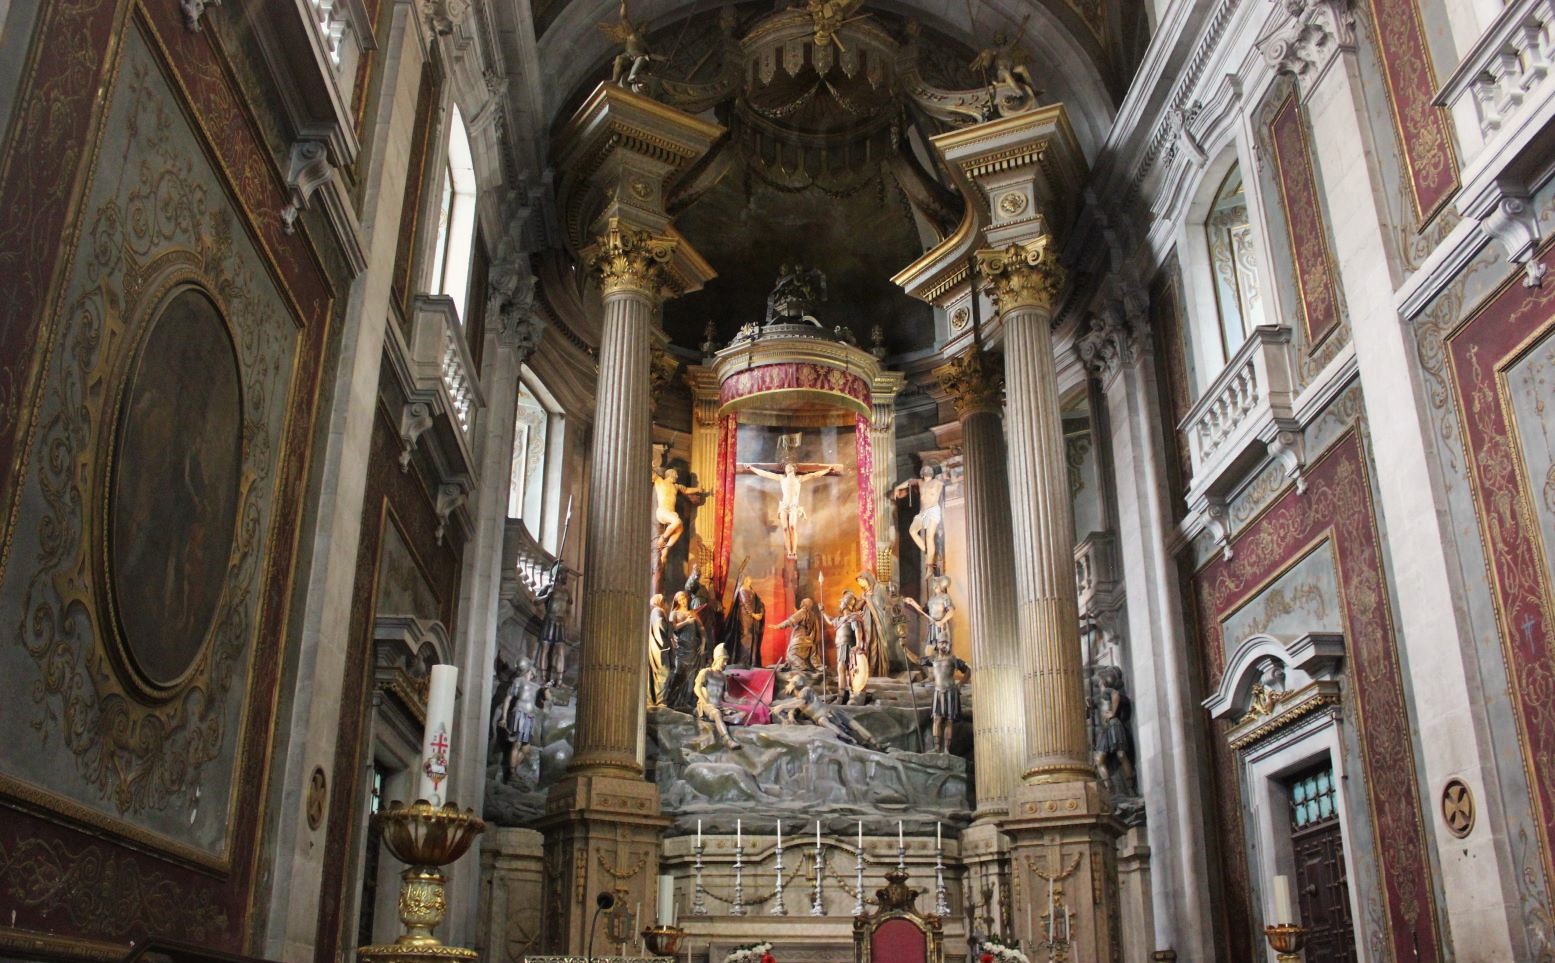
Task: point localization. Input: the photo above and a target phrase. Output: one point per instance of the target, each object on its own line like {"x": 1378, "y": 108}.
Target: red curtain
{"x": 723, "y": 527}
{"x": 864, "y": 451}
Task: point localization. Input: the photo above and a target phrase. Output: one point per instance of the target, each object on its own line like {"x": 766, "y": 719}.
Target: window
{"x": 1233, "y": 265}
{"x": 455, "y": 217}
{"x": 526, "y": 490}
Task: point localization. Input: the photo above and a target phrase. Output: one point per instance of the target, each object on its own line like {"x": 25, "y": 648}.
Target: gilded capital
{"x": 1022, "y": 275}
{"x": 630, "y": 260}
{"x": 974, "y": 380}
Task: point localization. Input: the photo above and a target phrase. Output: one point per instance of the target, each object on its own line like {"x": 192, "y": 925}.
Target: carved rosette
{"x": 624, "y": 259}
{"x": 1022, "y": 275}
{"x": 975, "y": 382}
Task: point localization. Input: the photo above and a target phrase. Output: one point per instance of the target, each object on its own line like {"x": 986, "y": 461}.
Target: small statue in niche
{"x": 666, "y": 489}
{"x": 1268, "y": 691}
{"x": 795, "y": 295}
{"x": 943, "y": 666}
{"x": 554, "y": 600}
{"x": 661, "y": 649}
{"x": 926, "y": 525}
{"x": 805, "y": 626}
{"x": 852, "y": 660}
{"x": 515, "y": 722}
{"x": 709, "y": 689}
{"x": 1013, "y": 90}
{"x": 627, "y": 67}
{"x": 748, "y": 619}
{"x": 1112, "y": 747}
{"x": 812, "y": 709}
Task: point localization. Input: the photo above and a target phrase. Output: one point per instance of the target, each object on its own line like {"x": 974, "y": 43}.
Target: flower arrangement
{"x": 995, "y": 950}
{"x": 751, "y": 953}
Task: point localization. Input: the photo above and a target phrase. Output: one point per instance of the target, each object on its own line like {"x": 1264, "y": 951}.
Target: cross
{"x": 441, "y": 742}
{"x": 1528, "y": 624}
{"x": 802, "y": 467}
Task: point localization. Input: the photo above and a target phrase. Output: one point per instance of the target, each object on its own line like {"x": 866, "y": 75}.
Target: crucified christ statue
{"x": 665, "y": 489}
{"x": 790, "y": 512}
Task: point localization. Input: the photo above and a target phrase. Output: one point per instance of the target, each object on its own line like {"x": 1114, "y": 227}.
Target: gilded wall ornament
{"x": 960, "y": 317}
{"x": 1023, "y": 275}
{"x": 1458, "y": 807}
{"x": 630, "y": 260}
{"x": 1011, "y": 204}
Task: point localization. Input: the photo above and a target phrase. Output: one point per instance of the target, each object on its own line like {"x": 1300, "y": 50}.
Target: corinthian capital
{"x": 1022, "y": 275}
{"x": 974, "y": 380}
{"x": 1318, "y": 30}
{"x": 630, "y": 260}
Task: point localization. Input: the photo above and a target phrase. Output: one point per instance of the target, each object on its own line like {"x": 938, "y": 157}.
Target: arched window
{"x": 455, "y": 217}
{"x": 1233, "y": 264}
{"x": 527, "y": 490}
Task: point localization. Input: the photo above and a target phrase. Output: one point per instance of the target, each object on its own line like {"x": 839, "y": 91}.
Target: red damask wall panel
{"x": 1338, "y": 508}
{"x": 1491, "y": 353}
{"x": 1424, "y": 131}
{"x": 1315, "y": 280}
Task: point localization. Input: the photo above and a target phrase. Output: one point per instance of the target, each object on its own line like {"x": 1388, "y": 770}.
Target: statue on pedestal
{"x": 1112, "y": 747}
{"x": 709, "y": 689}
{"x": 634, "y": 57}
{"x": 943, "y": 666}
{"x": 805, "y": 623}
{"x": 796, "y": 294}
{"x": 1014, "y": 92}
{"x": 748, "y": 618}
{"x": 661, "y": 649}
{"x": 554, "y": 600}
{"x": 515, "y": 722}
{"x": 927, "y": 524}
{"x": 811, "y": 709}
{"x": 666, "y": 489}
{"x": 790, "y": 512}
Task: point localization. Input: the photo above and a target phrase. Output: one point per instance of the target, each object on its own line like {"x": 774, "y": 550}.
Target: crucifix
{"x": 792, "y": 477}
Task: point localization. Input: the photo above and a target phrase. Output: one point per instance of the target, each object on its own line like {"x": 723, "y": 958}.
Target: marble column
{"x": 1063, "y": 836}
{"x": 974, "y": 381}
{"x": 1025, "y": 278}
{"x": 629, "y": 266}
{"x": 602, "y": 823}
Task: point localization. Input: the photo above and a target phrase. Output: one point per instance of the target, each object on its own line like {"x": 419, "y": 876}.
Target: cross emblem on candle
{"x": 440, "y": 743}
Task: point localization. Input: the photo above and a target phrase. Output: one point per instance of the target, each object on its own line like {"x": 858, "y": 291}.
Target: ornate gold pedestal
{"x": 663, "y": 940}
{"x": 1285, "y": 940}
{"x": 425, "y": 838}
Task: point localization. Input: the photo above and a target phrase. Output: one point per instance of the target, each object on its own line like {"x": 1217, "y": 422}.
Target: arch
{"x": 1315, "y": 654}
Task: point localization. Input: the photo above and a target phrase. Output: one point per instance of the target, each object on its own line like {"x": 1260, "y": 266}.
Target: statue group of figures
{"x": 688, "y": 674}
{"x": 521, "y": 687}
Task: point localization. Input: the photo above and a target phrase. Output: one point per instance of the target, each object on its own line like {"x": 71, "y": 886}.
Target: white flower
{"x": 748, "y": 954}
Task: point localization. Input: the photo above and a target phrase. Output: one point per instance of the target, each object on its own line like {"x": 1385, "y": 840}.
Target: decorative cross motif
{"x": 1458, "y": 808}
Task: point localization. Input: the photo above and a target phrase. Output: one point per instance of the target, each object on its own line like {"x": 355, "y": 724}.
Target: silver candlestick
{"x": 778, "y": 909}
{"x": 698, "y": 894}
{"x": 858, "y": 897}
{"x": 815, "y": 901}
{"x": 737, "y": 908}
{"x": 941, "y": 904}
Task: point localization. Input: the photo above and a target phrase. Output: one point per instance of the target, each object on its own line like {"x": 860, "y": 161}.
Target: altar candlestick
{"x": 436, "y": 741}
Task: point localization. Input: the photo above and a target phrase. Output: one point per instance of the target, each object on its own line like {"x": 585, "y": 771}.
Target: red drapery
{"x": 723, "y": 545}
{"x": 864, "y": 451}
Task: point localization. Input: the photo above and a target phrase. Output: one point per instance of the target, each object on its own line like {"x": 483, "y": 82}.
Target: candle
{"x": 666, "y": 900}
{"x": 1052, "y": 912}
{"x": 1284, "y": 902}
{"x": 861, "y": 835}
{"x": 637, "y": 917}
{"x": 899, "y": 843}
{"x": 736, "y": 832}
{"x": 437, "y": 739}
{"x": 939, "y": 842}
{"x": 817, "y": 834}
{"x": 780, "y": 834}
{"x": 699, "y": 833}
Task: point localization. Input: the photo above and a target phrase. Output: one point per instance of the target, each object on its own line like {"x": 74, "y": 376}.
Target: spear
{"x": 825, "y": 689}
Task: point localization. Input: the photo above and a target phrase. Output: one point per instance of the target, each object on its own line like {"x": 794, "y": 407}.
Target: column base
{"x": 1064, "y": 870}
{"x": 601, "y": 836}
{"x": 985, "y": 850}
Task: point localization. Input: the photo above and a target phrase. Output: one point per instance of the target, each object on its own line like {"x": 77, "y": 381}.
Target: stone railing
{"x": 1231, "y": 426}
{"x": 438, "y": 352}
{"x": 1505, "y": 70}
{"x": 523, "y": 555}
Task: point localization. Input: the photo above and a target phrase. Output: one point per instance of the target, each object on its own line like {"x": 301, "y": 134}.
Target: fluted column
{"x": 1025, "y": 278}
{"x": 975, "y": 385}
{"x": 630, "y": 267}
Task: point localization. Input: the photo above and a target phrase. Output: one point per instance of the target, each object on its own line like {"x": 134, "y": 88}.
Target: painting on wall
{"x": 174, "y": 498}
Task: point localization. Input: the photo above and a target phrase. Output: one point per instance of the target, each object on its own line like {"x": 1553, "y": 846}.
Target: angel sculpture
{"x": 634, "y": 57}
{"x": 1014, "y": 92}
